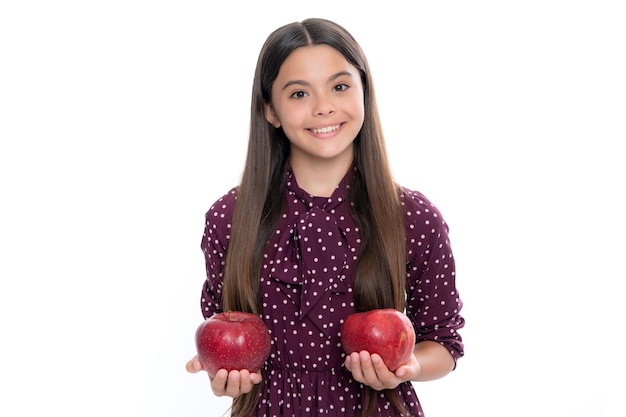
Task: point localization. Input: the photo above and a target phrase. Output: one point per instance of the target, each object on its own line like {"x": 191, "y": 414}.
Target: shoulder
{"x": 421, "y": 214}
{"x": 220, "y": 213}
{"x": 427, "y": 235}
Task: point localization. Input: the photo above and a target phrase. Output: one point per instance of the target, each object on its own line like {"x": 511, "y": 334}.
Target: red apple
{"x": 387, "y": 332}
{"x": 232, "y": 341}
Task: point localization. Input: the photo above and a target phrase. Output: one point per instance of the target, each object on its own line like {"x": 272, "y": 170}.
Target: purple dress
{"x": 306, "y": 289}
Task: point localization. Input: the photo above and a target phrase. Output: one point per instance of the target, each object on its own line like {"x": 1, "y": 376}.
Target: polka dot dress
{"x": 306, "y": 289}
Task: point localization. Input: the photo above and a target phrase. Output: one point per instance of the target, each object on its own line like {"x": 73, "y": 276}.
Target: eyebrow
{"x": 331, "y": 78}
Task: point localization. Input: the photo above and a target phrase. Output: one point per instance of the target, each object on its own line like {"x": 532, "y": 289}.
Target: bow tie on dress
{"x": 323, "y": 254}
{"x": 313, "y": 266}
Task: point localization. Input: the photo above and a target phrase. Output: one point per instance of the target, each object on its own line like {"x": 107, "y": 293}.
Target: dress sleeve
{"x": 433, "y": 302}
{"x": 214, "y": 245}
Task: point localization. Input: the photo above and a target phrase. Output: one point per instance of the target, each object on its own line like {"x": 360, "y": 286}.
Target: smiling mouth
{"x": 326, "y": 129}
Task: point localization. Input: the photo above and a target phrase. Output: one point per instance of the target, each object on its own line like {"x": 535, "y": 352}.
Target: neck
{"x": 320, "y": 179}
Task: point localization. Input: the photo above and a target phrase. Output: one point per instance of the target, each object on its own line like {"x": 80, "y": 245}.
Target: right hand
{"x": 231, "y": 384}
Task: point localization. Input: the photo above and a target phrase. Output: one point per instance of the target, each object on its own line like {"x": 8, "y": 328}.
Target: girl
{"x": 317, "y": 230}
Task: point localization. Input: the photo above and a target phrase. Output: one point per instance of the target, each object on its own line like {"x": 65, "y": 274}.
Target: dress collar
{"x": 325, "y": 203}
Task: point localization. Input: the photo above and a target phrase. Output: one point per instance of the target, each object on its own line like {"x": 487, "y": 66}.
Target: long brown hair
{"x": 380, "y": 274}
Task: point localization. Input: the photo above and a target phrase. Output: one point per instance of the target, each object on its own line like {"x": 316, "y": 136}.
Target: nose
{"x": 324, "y": 106}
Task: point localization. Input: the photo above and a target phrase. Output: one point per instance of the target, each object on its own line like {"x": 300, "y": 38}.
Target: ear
{"x": 270, "y": 115}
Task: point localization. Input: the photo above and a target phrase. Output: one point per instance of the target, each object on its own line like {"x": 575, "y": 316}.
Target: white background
{"x": 122, "y": 121}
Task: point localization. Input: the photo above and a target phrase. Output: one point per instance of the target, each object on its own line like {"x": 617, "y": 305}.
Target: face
{"x": 317, "y": 99}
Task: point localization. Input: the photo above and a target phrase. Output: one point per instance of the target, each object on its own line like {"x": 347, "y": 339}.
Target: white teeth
{"x": 325, "y": 129}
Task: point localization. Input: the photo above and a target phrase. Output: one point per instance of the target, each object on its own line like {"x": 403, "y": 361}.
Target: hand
{"x": 371, "y": 370}
{"x": 231, "y": 384}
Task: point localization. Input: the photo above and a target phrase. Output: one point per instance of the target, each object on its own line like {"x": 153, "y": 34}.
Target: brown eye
{"x": 298, "y": 94}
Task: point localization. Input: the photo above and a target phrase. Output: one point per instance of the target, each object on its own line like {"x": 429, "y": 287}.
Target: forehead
{"x": 314, "y": 61}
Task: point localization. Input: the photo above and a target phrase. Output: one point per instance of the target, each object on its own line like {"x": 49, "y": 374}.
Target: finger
{"x": 382, "y": 372}
{"x": 245, "y": 384}
{"x": 255, "y": 378}
{"x": 402, "y": 372}
{"x": 348, "y": 362}
{"x": 218, "y": 384}
{"x": 409, "y": 371}
{"x": 367, "y": 368}
{"x": 353, "y": 363}
{"x": 233, "y": 388}
{"x": 193, "y": 365}
{"x": 385, "y": 377}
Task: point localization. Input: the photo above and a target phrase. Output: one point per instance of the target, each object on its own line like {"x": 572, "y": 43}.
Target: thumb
{"x": 193, "y": 365}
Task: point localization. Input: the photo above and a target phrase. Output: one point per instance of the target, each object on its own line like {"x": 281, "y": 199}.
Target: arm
{"x": 433, "y": 304}
{"x": 434, "y": 362}
{"x": 214, "y": 245}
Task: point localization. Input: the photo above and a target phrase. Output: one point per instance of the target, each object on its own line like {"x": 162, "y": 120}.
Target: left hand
{"x": 371, "y": 370}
